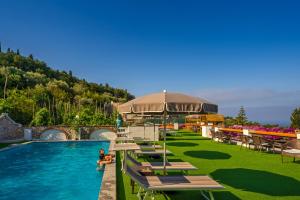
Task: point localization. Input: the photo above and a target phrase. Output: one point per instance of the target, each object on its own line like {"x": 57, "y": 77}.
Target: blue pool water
{"x": 51, "y": 170}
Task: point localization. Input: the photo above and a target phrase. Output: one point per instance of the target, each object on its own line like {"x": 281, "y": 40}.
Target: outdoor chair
{"x": 153, "y": 184}
{"x": 279, "y": 144}
{"x": 256, "y": 142}
{"x": 266, "y": 144}
{"x": 224, "y": 137}
{"x": 235, "y": 138}
{"x": 213, "y": 134}
{"x": 245, "y": 140}
{"x": 291, "y": 149}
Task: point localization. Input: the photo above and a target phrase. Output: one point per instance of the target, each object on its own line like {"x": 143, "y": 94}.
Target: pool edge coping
{"x": 108, "y": 190}
{"x": 11, "y": 146}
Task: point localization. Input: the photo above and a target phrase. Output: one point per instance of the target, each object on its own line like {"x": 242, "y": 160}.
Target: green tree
{"x": 295, "y": 118}
{"x": 4, "y": 72}
{"x": 69, "y": 118}
{"x": 99, "y": 119}
{"x": 229, "y": 121}
{"x": 23, "y": 106}
{"x": 41, "y": 118}
{"x": 241, "y": 118}
{"x": 84, "y": 117}
{"x": 5, "y": 106}
{"x": 34, "y": 78}
{"x": 28, "y": 85}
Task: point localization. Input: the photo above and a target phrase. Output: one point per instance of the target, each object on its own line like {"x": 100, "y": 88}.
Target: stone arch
{"x": 110, "y": 128}
{"x": 54, "y": 134}
{"x": 103, "y": 134}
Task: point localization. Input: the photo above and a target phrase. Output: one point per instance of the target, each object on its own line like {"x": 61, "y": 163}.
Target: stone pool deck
{"x": 108, "y": 189}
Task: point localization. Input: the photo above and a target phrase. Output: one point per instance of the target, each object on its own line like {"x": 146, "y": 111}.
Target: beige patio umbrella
{"x": 166, "y": 103}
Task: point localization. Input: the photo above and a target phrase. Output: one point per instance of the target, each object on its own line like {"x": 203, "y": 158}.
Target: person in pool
{"x": 104, "y": 159}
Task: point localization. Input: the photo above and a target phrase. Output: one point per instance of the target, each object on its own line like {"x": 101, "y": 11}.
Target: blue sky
{"x": 231, "y": 52}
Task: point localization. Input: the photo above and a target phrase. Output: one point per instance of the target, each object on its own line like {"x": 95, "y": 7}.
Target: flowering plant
{"x": 262, "y": 128}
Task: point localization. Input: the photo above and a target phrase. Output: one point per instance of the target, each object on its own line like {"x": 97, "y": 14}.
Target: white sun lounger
{"x": 152, "y": 184}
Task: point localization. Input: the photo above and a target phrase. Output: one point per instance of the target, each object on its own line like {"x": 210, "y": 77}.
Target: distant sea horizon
{"x": 265, "y": 115}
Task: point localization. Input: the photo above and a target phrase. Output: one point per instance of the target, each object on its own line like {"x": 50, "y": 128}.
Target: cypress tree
{"x": 242, "y": 117}
{"x": 295, "y": 118}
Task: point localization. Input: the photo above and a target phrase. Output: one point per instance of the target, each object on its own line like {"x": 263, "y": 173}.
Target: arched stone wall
{"x": 53, "y": 135}
{"x": 102, "y": 134}
{"x": 70, "y": 132}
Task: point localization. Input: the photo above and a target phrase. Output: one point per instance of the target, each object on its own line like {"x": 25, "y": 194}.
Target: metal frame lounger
{"x": 124, "y": 139}
{"x": 124, "y": 147}
{"x": 155, "y": 166}
{"x": 291, "y": 149}
{"x": 156, "y": 146}
{"x": 153, "y": 184}
{"x": 152, "y": 152}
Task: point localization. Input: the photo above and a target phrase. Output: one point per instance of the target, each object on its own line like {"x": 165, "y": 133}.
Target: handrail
{"x": 291, "y": 135}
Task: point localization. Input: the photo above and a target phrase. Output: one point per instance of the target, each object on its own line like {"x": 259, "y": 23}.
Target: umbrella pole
{"x": 165, "y": 133}
{"x": 154, "y": 135}
{"x": 144, "y": 130}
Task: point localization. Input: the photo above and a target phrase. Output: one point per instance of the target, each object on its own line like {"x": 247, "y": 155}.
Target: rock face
{"x": 9, "y": 129}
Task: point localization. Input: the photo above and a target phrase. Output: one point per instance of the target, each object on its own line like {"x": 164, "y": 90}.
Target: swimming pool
{"x": 51, "y": 170}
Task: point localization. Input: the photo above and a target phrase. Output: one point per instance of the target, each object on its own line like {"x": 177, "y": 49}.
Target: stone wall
{"x": 70, "y": 132}
{"x": 37, "y": 131}
{"x": 10, "y": 130}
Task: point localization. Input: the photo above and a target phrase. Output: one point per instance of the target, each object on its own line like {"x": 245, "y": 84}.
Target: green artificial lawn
{"x": 2, "y": 145}
{"x": 246, "y": 174}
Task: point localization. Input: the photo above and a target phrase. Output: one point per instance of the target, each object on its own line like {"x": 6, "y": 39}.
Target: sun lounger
{"x": 152, "y": 184}
{"x": 151, "y": 152}
{"x": 183, "y": 166}
{"x": 141, "y": 140}
{"x": 157, "y": 146}
{"x": 291, "y": 149}
{"x": 124, "y": 139}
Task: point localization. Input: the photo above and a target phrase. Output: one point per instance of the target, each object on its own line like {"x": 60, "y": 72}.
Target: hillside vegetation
{"x": 35, "y": 94}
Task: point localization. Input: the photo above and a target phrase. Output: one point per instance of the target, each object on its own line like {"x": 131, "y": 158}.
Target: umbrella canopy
{"x": 169, "y": 102}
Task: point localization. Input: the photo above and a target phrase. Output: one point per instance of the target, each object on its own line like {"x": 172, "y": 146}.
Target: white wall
{"x": 144, "y": 132}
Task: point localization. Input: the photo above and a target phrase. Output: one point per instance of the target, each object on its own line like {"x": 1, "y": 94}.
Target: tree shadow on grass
{"x": 258, "y": 181}
{"x": 210, "y": 155}
{"x": 225, "y": 195}
{"x": 182, "y": 144}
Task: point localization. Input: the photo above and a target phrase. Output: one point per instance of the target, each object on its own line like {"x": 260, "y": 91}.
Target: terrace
{"x": 245, "y": 173}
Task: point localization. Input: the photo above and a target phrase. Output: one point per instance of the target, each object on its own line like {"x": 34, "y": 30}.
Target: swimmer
{"x": 104, "y": 159}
